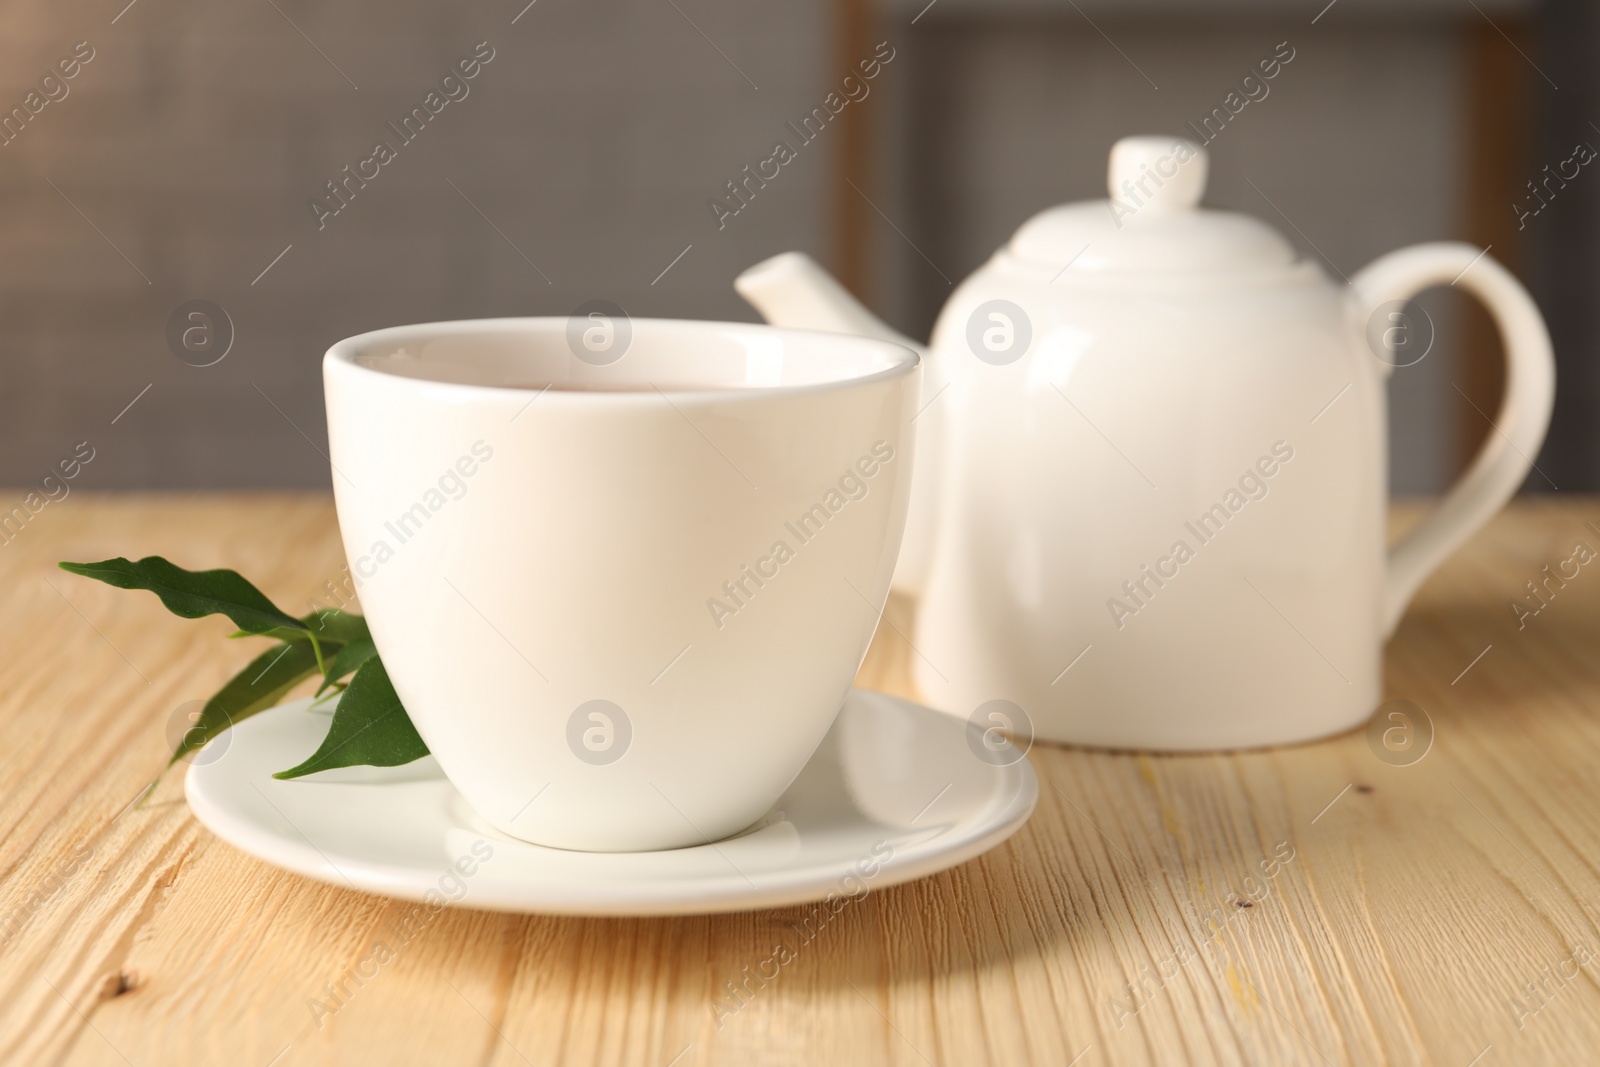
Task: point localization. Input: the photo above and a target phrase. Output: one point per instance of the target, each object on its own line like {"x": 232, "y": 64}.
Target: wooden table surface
{"x": 1439, "y": 912}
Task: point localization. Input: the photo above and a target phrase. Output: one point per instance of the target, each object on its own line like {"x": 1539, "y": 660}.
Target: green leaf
{"x": 369, "y": 727}
{"x": 264, "y": 682}
{"x": 341, "y": 627}
{"x": 193, "y": 594}
{"x": 330, "y": 624}
{"x": 347, "y": 660}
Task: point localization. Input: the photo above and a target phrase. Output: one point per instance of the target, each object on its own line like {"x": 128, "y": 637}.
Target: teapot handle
{"x": 1519, "y": 427}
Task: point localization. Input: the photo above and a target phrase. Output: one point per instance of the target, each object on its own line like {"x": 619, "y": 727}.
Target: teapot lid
{"x": 1152, "y": 223}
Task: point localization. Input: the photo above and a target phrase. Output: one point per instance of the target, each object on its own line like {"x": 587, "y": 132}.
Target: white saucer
{"x": 896, "y": 791}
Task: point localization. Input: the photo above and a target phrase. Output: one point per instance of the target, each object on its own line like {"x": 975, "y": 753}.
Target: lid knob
{"x": 1156, "y": 174}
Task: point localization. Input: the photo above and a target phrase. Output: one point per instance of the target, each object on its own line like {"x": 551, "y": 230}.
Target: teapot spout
{"x": 791, "y": 290}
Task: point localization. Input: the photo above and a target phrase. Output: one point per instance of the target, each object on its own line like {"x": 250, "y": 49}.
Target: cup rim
{"x": 344, "y": 352}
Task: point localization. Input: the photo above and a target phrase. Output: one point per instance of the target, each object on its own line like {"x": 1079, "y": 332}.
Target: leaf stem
{"x": 316, "y": 648}
{"x": 333, "y": 690}
{"x": 151, "y": 788}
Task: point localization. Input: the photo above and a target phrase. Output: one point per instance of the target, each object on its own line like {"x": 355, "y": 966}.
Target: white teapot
{"x": 1150, "y": 494}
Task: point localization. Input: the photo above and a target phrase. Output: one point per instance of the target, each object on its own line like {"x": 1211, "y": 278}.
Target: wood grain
{"x": 1443, "y": 912}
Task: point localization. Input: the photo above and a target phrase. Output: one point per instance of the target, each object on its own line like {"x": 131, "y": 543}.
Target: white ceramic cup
{"x": 621, "y": 573}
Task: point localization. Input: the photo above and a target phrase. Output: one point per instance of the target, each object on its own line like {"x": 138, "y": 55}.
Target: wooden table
{"x": 1443, "y": 912}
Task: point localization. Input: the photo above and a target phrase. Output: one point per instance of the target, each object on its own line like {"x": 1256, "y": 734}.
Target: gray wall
{"x": 195, "y": 137}
{"x": 1565, "y": 237}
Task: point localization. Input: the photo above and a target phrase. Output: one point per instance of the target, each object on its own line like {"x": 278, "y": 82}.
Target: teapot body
{"x": 1161, "y": 526}
{"x": 1149, "y": 507}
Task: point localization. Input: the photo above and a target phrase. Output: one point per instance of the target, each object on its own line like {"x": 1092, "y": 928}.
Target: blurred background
{"x": 179, "y": 162}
